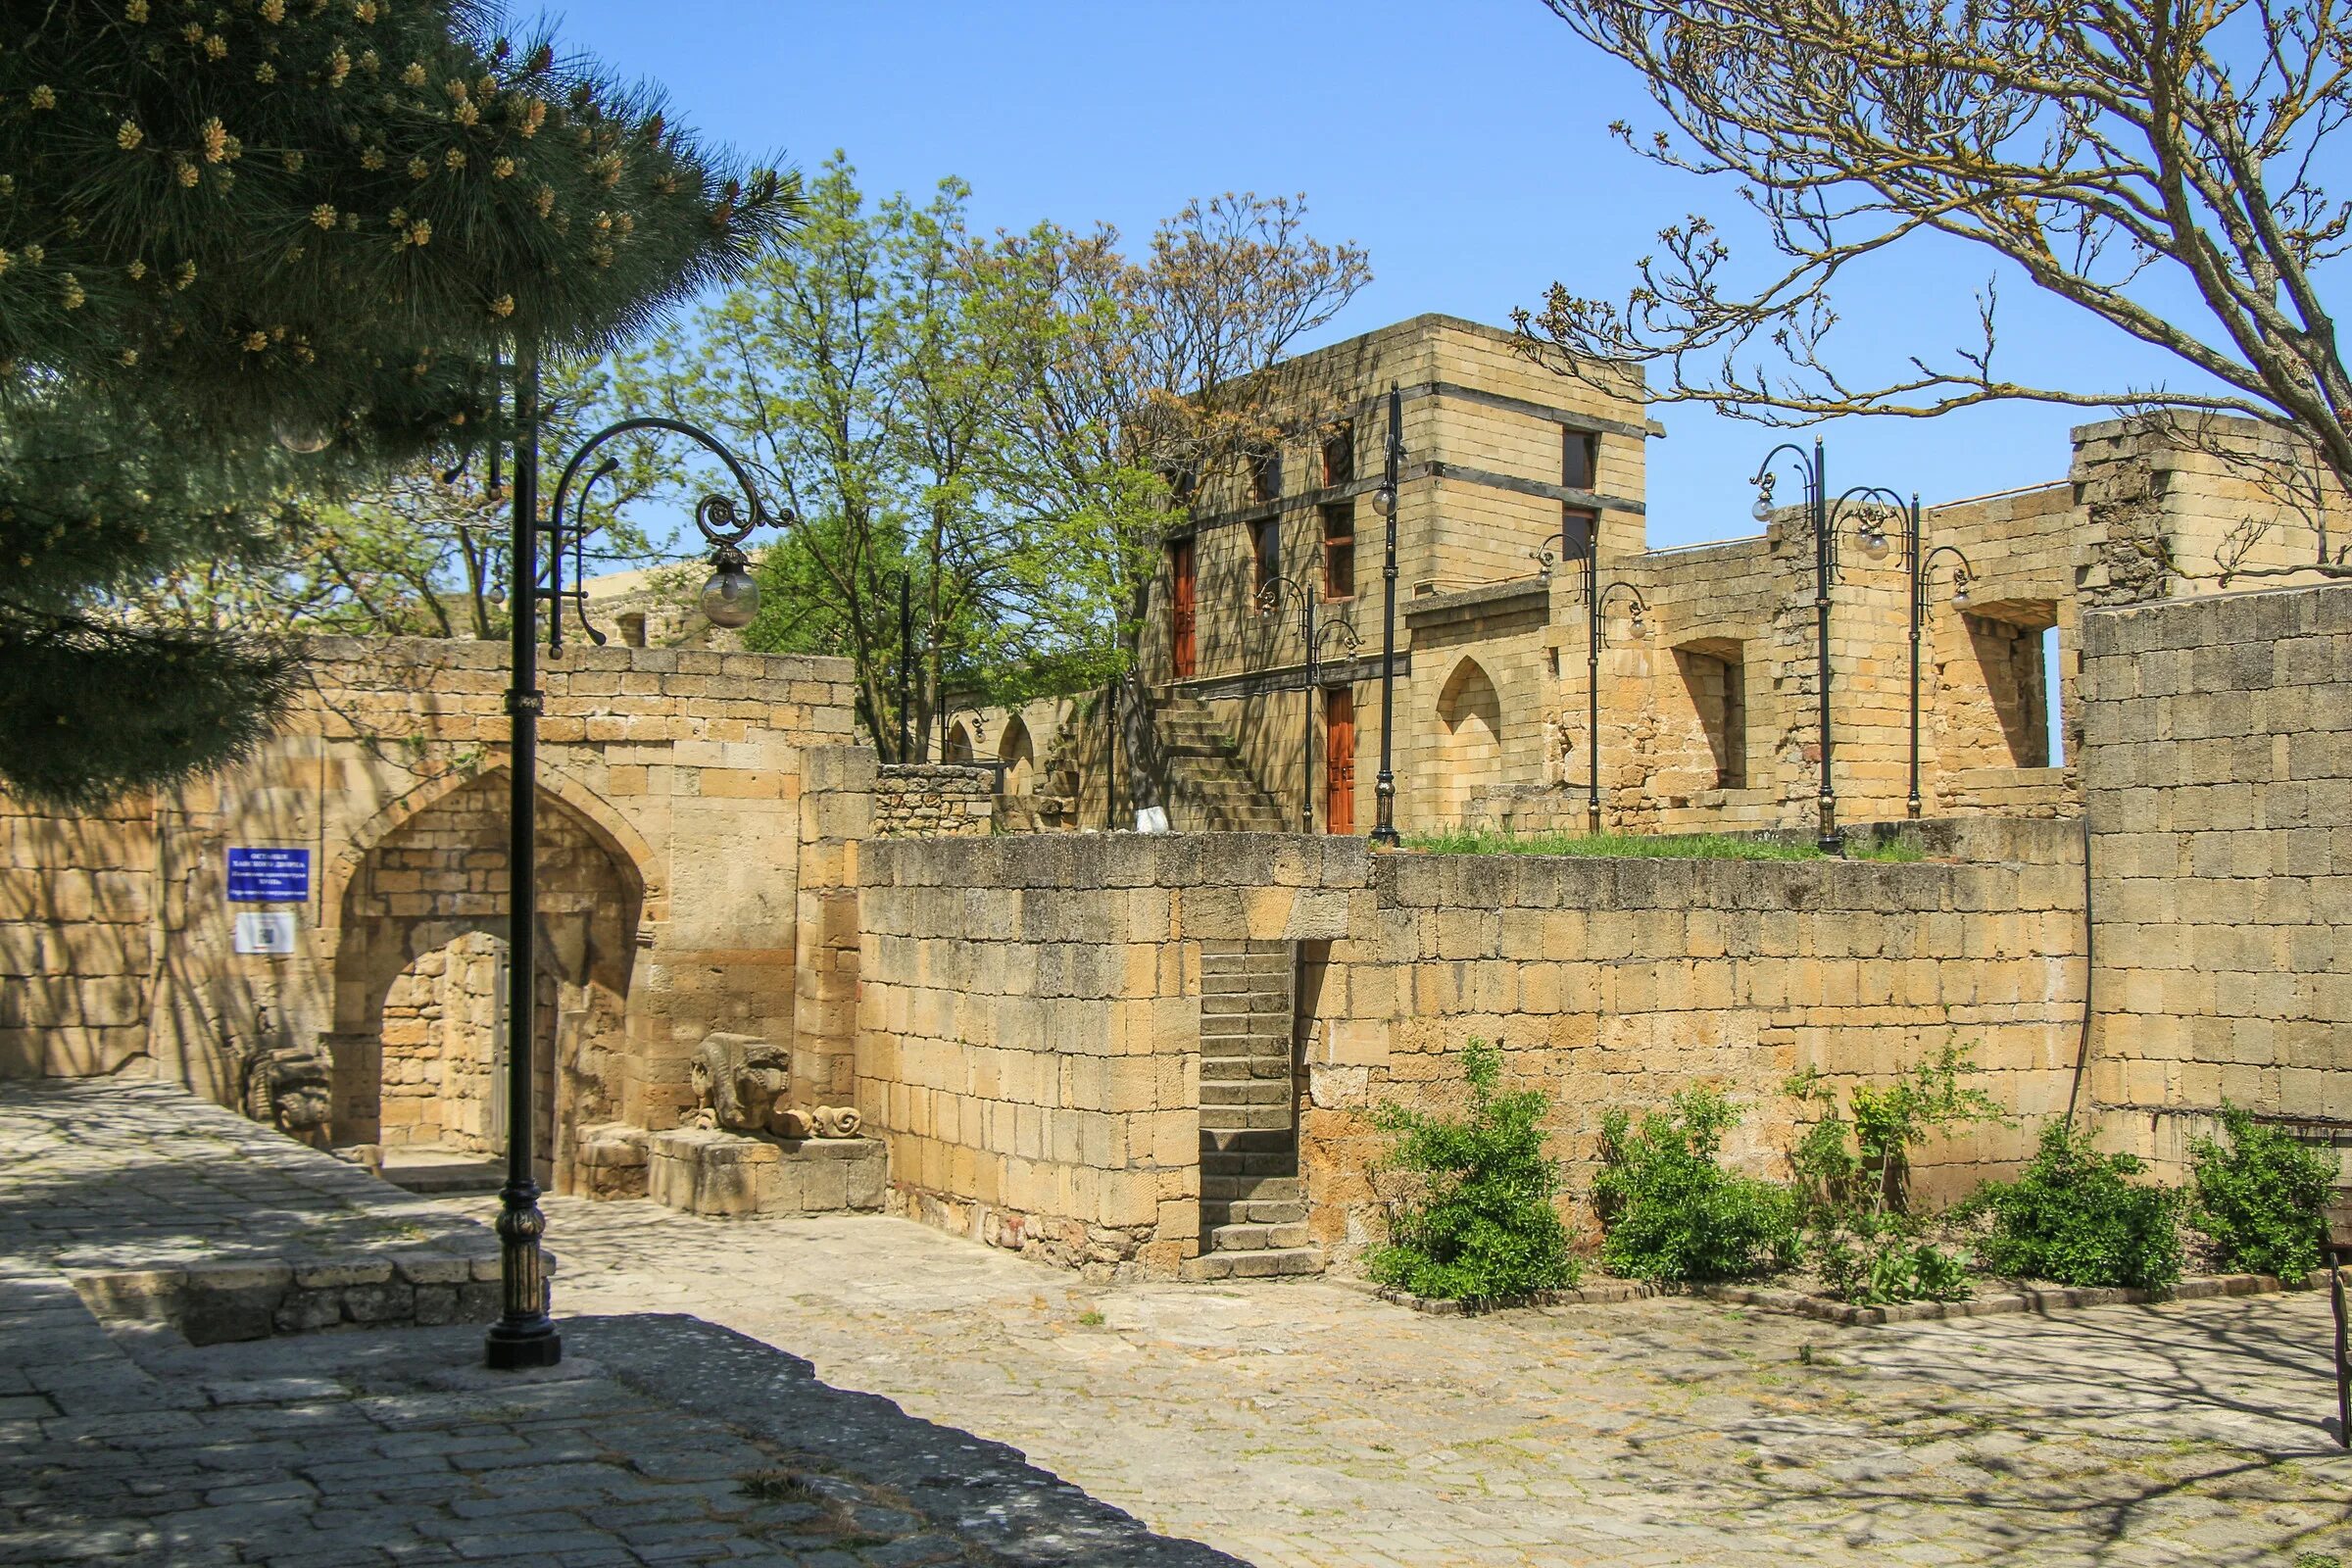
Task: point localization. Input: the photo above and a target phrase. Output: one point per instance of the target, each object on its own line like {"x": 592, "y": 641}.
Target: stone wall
{"x": 1031, "y": 1015}
{"x": 2218, "y": 782}
{"x": 669, "y": 782}
{"x": 934, "y": 800}
{"x": 1616, "y": 983}
{"x": 1029, "y": 1024}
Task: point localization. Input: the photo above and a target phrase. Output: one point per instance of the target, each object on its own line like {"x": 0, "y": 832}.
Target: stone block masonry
{"x": 1039, "y": 1040}
{"x": 1030, "y": 1026}
{"x": 2218, "y": 782}
{"x": 670, "y": 823}
{"x": 933, "y": 799}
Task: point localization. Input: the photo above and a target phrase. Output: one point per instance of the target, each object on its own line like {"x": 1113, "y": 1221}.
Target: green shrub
{"x": 1669, "y": 1212}
{"x": 1483, "y": 1227}
{"x": 2073, "y": 1217}
{"x": 1853, "y": 1180}
{"x": 2262, "y": 1197}
{"x": 1878, "y": 1260}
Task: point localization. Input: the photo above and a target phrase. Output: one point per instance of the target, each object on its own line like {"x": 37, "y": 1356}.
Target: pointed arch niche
{"x": 419, "y": 978}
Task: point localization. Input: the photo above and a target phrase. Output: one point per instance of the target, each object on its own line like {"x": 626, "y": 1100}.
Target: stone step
{"x": 1217, "y": 1212}
{"x": 1247, "y": 1118}
{"x": 1251, "y": 1190}
{"x": 1228, "y": 1141}
{"x": 1286, "y": 1261}
{"x": 1245, "y": 1091}
{"x": 1237, "y": 1066}
{"x": 1256, "y": 1238}
{"x": 1282, "y": 1164}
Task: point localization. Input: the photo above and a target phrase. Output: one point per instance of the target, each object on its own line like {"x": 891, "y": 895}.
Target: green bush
{"x": 2073, "y": 1217}
{"x": 1483, "y": 1227}
{"x": 2262, "y": 1197}
{"x": 1877, "y": 1259}
{"x": 1853, "y": 1180}
{"x": 1669, "y": 1212}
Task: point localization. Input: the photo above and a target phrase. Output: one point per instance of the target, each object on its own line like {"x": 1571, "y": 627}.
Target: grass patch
{"x": 1653, "y": 846}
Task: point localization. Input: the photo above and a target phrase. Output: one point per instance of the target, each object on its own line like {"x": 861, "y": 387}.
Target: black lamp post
{"x": 1384, "y": 501}
{"x": 1825, "y": 572}
{"x": 1918, "y": 566}
{"x": 524, "y": 1335}
{"x": 1302, "y": 589}
{"x": 905, "y": 666}
{"x": 1596, "y": 596}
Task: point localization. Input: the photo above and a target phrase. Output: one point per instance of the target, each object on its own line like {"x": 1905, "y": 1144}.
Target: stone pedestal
{"x": 728, "y": 1175}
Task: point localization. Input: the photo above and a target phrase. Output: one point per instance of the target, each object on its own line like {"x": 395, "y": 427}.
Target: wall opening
{"x": 2013, "y": 646}
{"x": 1018, "y": 754}
{"x": 1715, "y": 675}
{"x": 419, "y": 979}
{"x": 1469, "y": 745}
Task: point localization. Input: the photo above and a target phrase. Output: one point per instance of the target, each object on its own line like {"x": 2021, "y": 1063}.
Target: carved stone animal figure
{"x": 740, "y": 1083}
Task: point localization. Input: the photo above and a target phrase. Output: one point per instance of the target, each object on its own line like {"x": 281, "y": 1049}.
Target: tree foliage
{"x": 1002, "y": 418}
{"x": 2161, "y": 164}
{"x": 308, "y": 219}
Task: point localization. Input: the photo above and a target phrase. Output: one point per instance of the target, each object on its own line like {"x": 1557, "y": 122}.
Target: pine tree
{"x": 231, "y": 228}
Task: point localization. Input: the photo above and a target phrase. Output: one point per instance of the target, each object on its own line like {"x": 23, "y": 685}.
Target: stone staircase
{"x": 1253, "y": 1207}
{"x": 1209, "y": 789}
{"x": 1196, "y": 761}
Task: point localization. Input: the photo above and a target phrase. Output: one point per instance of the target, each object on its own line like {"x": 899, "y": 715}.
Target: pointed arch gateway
{"x": 1469, "y": 737}
{"x": 420, "y": 964}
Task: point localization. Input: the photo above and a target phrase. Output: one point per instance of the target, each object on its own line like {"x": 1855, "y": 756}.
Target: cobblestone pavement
{"x": 661, "y": 1440}
{"x": 1310, "y": 1424}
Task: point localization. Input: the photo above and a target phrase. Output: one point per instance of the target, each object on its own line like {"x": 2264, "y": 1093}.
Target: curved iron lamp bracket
{"x": 722, "y": 522}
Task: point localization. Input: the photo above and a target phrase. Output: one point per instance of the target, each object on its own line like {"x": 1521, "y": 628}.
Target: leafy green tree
{"x": 313, "y": 222}
{"x": 856, "y": 375}
{"x": 2262, "y": 1197}
{"x": 1483, "y": 1226}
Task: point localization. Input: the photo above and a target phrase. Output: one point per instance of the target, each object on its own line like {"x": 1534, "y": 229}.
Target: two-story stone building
{"x": 1514, "y": 480}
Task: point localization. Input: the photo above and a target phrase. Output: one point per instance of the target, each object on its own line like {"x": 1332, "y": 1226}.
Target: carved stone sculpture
{"x": 292, "y": 1088}
{"x": 741, "y": 1083}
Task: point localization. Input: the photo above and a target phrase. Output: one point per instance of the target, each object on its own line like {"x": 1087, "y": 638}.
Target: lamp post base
{"x": 506, "y": 1350}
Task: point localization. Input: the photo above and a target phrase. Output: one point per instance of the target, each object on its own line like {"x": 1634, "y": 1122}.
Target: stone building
{"x": 1706, "y": 668}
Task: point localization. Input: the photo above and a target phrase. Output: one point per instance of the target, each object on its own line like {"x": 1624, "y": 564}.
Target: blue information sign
{"x": 269, "y": 876}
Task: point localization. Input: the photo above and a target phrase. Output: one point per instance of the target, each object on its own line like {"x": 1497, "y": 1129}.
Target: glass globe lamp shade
{"x": 1384, "y": 501}
{"x": 303, "y": 437}
{"x": 731, "y": 599}
{"x": 1874, "y": 539}
{"x": 1762, "y": 510}
{"x": 1960, "y": 592}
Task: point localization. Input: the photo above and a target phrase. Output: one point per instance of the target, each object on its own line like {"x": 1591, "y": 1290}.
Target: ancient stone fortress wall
{"x": 1031, "y": 1024}
{"x": 669, "y": 815}
{"x": 934, "y": 800}
{"x": 1615, "y": 983}
{"x": 2217, "y": 783}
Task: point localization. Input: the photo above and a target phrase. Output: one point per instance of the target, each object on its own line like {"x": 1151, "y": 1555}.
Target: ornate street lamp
{"x": 1302, "y": 590}
{"x": 524, "y": 1335}
{"x": 1918, "y": 566}
{"x": 1384, "y": 501}
{"x": 1596, "y": 596}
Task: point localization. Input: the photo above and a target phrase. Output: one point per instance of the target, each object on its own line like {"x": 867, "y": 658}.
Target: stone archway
{"x": 1469, "y": 737}
{"x": 424, "y": 921}
{"x": 1018, "y": 754}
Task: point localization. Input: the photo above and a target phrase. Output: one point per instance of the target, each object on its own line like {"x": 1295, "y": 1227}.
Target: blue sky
{"x": 1466, "y": 143}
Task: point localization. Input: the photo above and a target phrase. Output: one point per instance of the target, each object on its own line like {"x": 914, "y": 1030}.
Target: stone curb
{"x": 2042, "y": 1300}
{"x": 252, "y": 1299}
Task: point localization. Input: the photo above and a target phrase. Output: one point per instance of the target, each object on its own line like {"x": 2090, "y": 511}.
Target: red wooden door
{"x": 1338, "y": 760}
{"x": 1185, "y": 584}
